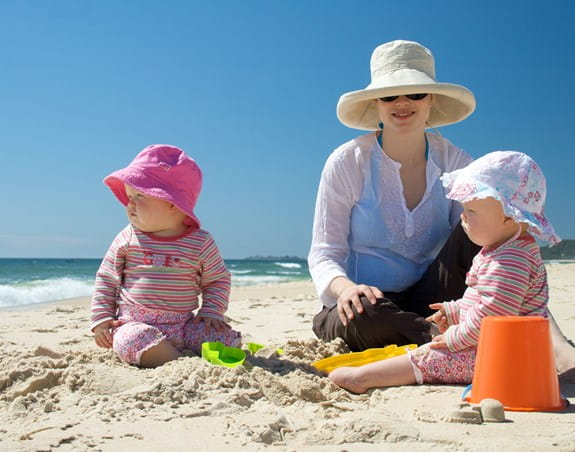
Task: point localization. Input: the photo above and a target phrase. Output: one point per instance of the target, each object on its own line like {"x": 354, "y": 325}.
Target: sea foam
{"x": 288, "y": 264}
{"x": 41, "y": 291}
{"x": 255, "y": 280}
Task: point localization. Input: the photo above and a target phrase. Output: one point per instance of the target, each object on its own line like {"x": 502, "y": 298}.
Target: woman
{"x": 386, "y": 241}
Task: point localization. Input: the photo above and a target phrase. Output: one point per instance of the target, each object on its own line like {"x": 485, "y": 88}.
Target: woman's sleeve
{"x": 339, "y": 187}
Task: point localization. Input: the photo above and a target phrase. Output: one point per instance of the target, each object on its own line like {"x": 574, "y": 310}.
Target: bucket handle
{"x": 466, "y": 391}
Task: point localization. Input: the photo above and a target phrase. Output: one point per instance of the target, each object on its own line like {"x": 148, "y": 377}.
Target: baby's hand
{"x": 218, "y": 325}
{"x": 439, "y": 317}
{"x": 103, "y": 336}
{"x": 438, "y": 342}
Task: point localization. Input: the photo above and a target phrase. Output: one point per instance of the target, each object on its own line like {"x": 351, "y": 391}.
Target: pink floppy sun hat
{"x": 164, "y": 172}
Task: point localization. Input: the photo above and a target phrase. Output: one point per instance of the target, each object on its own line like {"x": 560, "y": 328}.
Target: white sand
{"x": 58, "y": 391}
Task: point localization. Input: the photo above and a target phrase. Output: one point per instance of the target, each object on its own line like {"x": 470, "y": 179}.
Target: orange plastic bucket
{"x": 515, "y": 365}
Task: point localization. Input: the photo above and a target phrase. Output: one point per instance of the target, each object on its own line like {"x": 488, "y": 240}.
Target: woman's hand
{"x": 103, "y": 335}
{"x": 209, "y": 323}
{"x": 351, "y": 296}
{"x": 439, "y": 317}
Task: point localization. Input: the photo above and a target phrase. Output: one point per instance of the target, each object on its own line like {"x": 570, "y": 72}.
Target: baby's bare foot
{"x": 347, "y": 378}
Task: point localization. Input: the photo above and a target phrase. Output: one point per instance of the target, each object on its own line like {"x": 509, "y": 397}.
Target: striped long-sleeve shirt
{"x": 508, "y": 280}
{"x": 161, "y": 273}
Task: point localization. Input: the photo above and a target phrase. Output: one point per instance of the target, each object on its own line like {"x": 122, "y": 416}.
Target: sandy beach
{"x": 58, "y": 391}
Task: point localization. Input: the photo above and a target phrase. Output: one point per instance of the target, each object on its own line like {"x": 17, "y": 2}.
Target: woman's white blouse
{"x": 362, "y": 227}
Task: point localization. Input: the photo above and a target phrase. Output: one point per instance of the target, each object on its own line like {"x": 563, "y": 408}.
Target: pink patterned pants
{"x": 442, "y": 366}
{"x": 144, "y": 328}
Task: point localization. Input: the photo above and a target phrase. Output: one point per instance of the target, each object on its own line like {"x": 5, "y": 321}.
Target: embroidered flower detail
{"x": 463, "y": 190}
{"x": 541, "y": 219}
{"x": 523, "y": 178}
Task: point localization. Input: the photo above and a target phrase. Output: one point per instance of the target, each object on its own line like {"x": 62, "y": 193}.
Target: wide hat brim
{"x": 451, "y": 103}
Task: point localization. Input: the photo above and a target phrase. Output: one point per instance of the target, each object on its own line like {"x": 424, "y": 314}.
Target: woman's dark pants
{"x": 399, "y": 318}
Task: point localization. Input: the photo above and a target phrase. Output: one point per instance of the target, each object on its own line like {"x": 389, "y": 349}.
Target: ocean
{"x": 31, "y": 281}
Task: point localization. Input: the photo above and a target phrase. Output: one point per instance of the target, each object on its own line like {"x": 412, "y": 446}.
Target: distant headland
{"x": 275, "y": 258}
{"x": 563, "y": 250}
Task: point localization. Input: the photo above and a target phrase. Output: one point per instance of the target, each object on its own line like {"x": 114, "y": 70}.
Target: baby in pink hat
{"x": 503, "y": 194}
{"x": 146, "y": 303}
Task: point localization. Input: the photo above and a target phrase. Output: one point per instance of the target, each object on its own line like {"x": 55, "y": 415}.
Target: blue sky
{"x": 249, "y": 89}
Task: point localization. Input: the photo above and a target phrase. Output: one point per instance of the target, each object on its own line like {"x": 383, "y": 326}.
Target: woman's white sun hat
{"x": 399, "y": 68}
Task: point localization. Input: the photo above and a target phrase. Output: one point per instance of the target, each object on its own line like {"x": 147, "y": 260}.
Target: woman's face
{"x": 404, "y": 114}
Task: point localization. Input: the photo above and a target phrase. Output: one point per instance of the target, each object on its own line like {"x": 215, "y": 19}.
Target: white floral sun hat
{"x": 512, "y": 178}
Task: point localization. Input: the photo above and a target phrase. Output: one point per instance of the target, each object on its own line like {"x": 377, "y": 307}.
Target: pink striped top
{"x": 508, "y": 280}
{"x": 161, "y": 273}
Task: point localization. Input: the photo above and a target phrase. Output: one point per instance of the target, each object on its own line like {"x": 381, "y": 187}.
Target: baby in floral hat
{"x": 512, "y": 179}
{"x": 503, "y": 194}
{"x": 146, "y": 303}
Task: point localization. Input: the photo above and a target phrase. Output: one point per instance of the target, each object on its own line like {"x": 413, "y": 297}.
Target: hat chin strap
{"x": 513, "y": 237}
{"x": 518, "y": 233}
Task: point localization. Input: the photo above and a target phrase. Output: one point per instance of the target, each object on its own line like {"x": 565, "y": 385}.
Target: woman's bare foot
{"x": 568, "y": 376}
{"x": 348, "y": 378}
{"x": 564, "y": 351}
{"x": 565, "y": 361}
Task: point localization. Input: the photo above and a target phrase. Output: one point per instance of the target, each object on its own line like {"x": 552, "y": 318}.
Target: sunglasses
{"x": 409, "y": 96}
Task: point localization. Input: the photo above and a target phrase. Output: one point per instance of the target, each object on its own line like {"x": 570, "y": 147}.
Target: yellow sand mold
{"x": 360, "y": 358}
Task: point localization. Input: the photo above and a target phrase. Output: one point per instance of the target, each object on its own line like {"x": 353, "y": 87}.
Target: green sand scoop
{"x": 218, "y": 353}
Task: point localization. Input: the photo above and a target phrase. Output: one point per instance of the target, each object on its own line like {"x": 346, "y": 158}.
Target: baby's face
{"x": 152, "y": 215}
{"x": 485, "y": 222}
